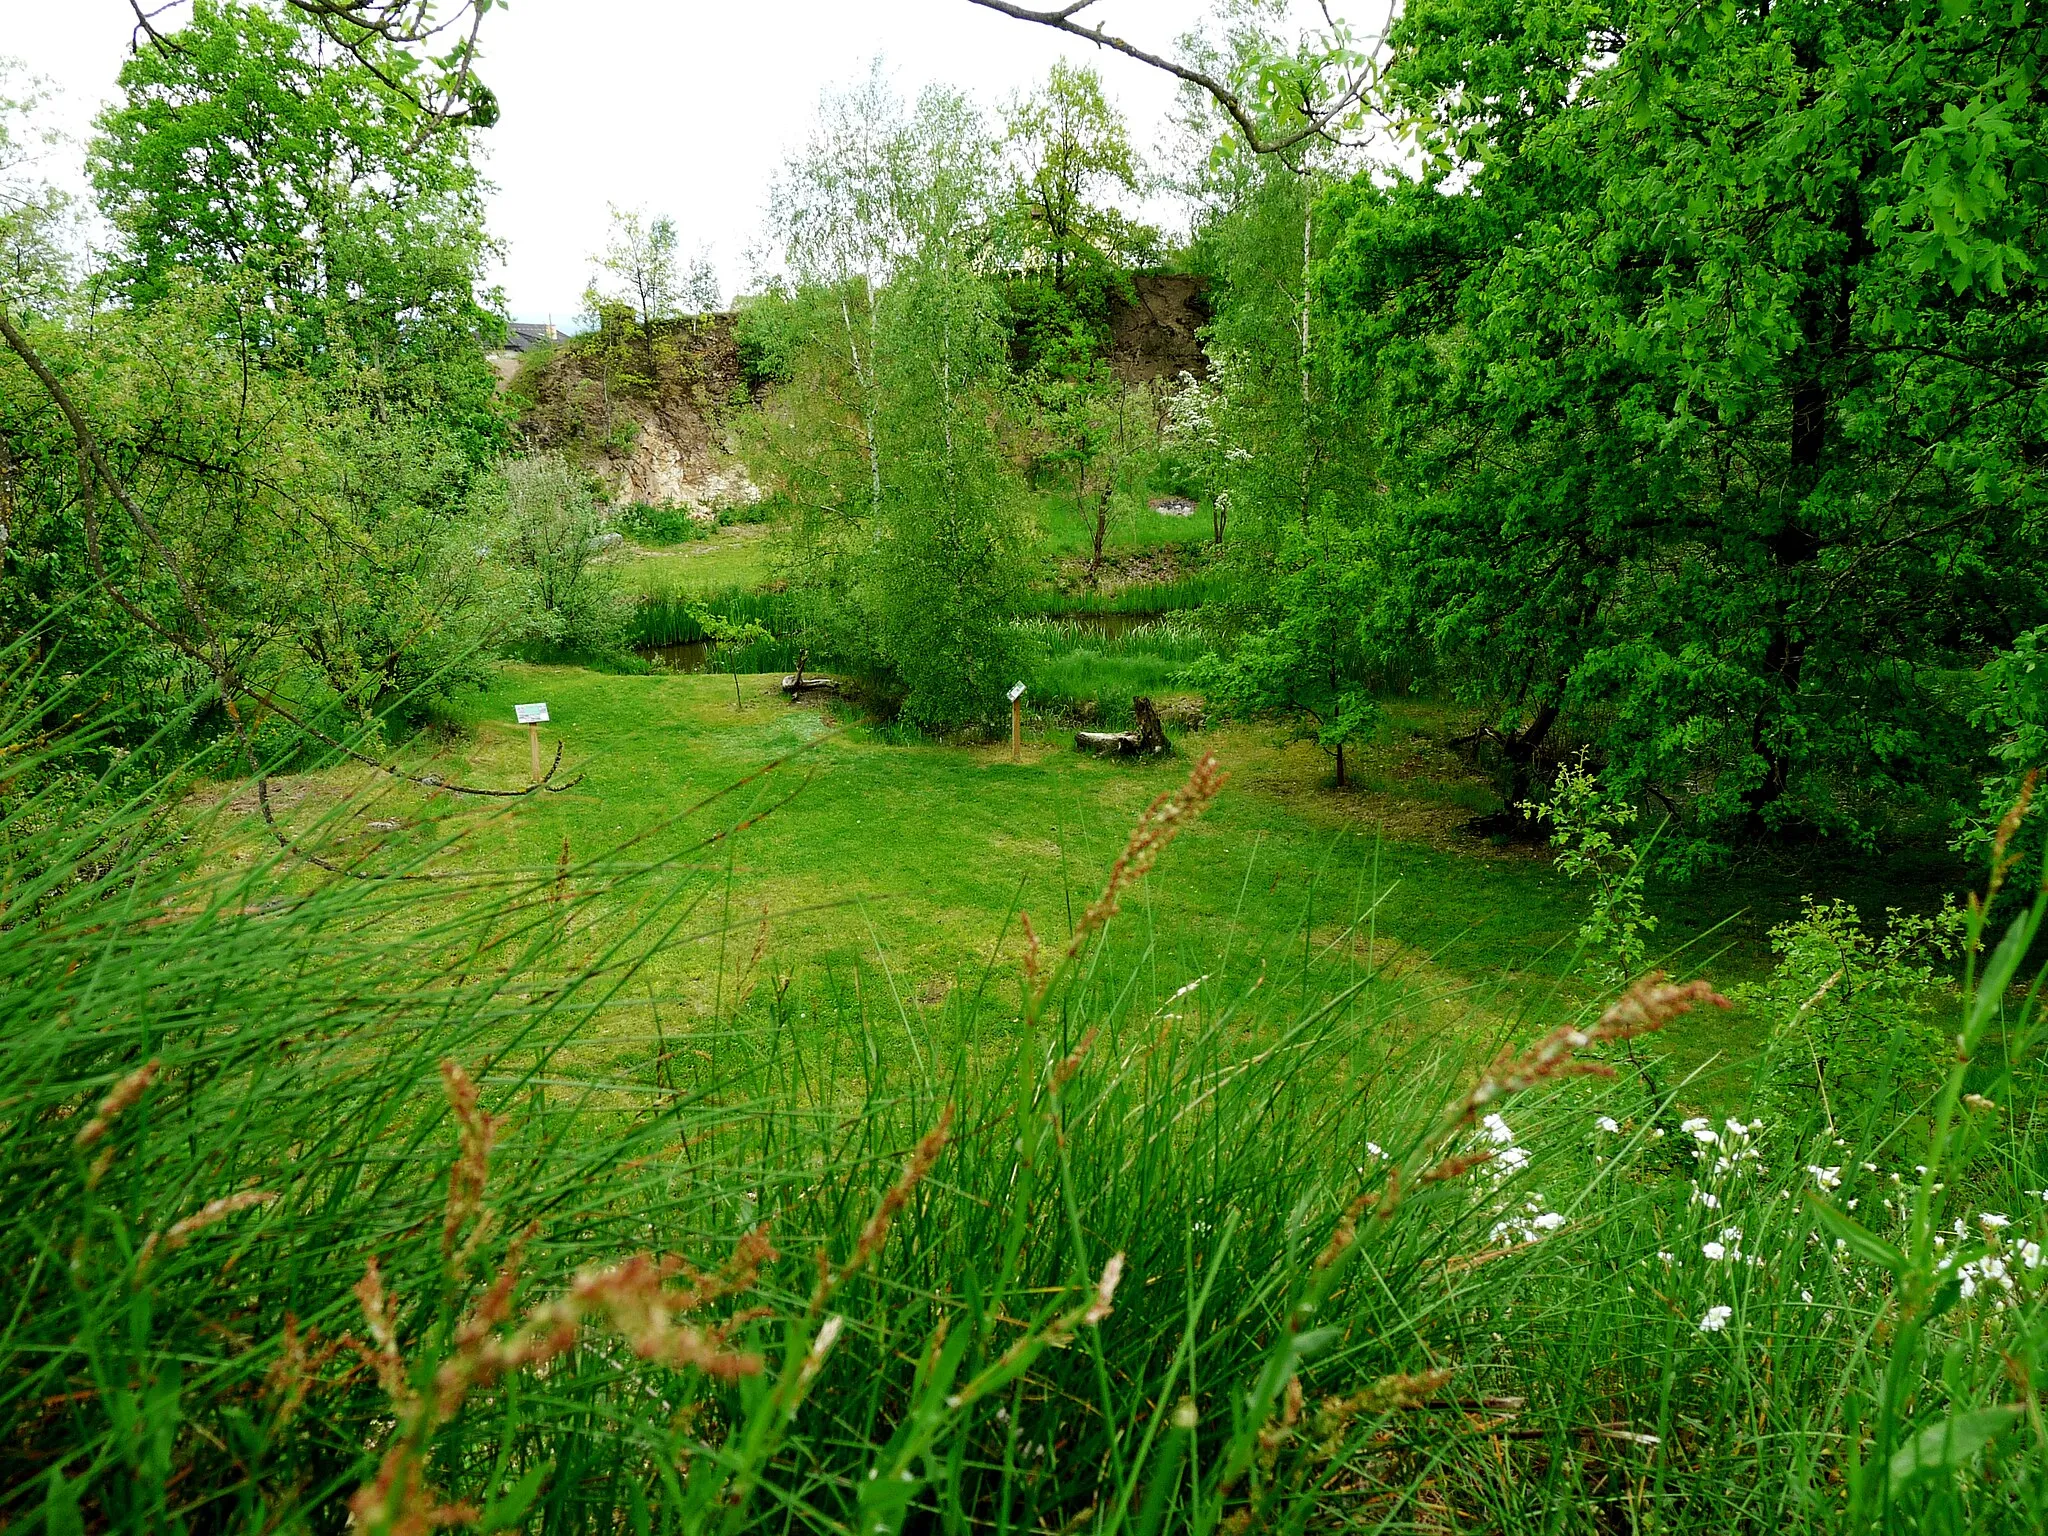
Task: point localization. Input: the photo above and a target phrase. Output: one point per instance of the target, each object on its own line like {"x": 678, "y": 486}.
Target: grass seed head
{"x": 1649, "y": 1005}
{"x": 1105, "y": 1292}
{"x": 180, "y": 1232}
{"x": 1161, "y": 822}
{"x": 121, "y": 1099}
{"x": 476, "y": 1133}
{"x": 922, "y": 1159}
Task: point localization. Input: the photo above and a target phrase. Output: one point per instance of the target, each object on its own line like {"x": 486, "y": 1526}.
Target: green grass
{"x": 1186, "y": 1103}
{"x": 731, "y": 558}
{"x": 913, "y": 855}
{"x": 1066, "y": 531}
{"x": 1198, "y": 590}
{"x": 1089, "y": 674}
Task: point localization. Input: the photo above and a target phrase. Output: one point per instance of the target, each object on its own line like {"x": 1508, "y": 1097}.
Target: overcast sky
{"x": 679, "y": 106}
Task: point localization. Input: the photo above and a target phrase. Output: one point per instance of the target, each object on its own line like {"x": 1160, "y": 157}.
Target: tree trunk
{"x": 1147, "y": 740}
{"x": 1340, "y": 765}
{"x": 1101, "y": 526}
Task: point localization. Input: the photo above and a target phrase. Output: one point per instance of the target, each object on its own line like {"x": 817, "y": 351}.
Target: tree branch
{"x": 1318, "y": 118}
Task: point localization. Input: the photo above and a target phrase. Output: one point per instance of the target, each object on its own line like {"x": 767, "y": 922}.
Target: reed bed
{"x": 669, "y": 616}
{"x": 1183, "y": 594}
{"x": 408, "y": 1204}
{"x": 1083, "y": 671}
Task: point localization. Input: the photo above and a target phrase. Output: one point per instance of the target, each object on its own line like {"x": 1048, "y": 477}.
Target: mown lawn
{"x": 901, "y": 866}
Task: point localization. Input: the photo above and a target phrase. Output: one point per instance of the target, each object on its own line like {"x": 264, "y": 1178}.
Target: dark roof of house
{"x": 524, "y": 336}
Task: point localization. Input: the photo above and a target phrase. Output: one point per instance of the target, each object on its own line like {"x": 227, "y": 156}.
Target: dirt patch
{"x": 1141, "y": 568}
{"x": 1158, "y": 334}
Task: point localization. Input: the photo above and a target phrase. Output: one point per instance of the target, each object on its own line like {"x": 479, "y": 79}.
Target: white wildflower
{"x": 1716, "y": 1319}
{"x": 1826, "y": 1178}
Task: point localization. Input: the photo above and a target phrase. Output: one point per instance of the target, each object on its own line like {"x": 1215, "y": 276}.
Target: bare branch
{"x": 1317, "y": 118}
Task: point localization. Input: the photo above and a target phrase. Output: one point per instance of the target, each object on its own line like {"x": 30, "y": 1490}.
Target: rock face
{"x": 650, "y": 414}
{"x": 1156, "y": 336}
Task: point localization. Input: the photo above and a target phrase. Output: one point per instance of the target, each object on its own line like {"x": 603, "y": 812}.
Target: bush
{"x": 663, "y": 525}
{"x": 553, "y": 527}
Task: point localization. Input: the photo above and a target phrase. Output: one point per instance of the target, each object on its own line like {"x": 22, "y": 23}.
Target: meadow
{"x": 1551, "y": 1045}
{"x": 1201, "y": 1209}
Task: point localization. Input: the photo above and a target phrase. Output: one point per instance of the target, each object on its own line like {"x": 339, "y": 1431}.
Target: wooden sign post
{"x": 1017, "y": 724}
{"x": 533, "y": 717}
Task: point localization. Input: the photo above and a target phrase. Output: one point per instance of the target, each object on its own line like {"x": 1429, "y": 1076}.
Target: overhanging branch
{"x": 1317, "y": 117}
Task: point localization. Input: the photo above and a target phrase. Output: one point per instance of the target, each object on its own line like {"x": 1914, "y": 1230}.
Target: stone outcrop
{"x": 650, "y": 414}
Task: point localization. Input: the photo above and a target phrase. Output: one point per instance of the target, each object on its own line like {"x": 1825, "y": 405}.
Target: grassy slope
{"x": 905, "y": 861}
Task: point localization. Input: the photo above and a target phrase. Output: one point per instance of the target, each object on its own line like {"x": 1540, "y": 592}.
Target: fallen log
{"x": 1149, "y": 737}
{"x": 1107, "y": 743}
{"x": 796, "y": 683}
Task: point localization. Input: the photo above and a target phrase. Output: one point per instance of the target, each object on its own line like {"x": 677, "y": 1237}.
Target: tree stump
{"x": 1149, "y": 738}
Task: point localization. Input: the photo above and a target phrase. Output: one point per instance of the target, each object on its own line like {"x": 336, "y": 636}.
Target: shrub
{"x": 663, "y": 525}
{"x": 553, "y": 527}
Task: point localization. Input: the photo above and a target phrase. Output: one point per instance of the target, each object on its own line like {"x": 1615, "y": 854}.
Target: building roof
{"x": 524, "y": 336}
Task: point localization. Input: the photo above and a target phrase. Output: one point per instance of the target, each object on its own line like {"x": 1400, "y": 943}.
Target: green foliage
{"x": 1849, "y": 1008}
{"x": 1591, "y": 829}
{"x": 663, "y": 525}
{"x": 1091, "y": 420}
{"x": 34, "y": 214}
{"x": 1083, "y": 672}
{"x": 1072, "y": 151}
{"x": 1305, "y": 665}
{"x": 552, "y": 528}
{"x": 643, "y": 258}
{"x": 1702, "y": 352}
{"x": 319, "y": 541}
{"x": 2014, "y": 714}
{"x": 240, "y": 1129}
{"x": 244, "y": 156}
{"x": 906, "y": 536}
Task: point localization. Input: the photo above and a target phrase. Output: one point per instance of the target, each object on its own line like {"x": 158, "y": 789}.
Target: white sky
{"x": 683, "y": 107}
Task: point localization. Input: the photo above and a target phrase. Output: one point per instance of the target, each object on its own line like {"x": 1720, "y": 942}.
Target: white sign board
{"x": 531, "y": 714}
{"x": 1016, "y": 693}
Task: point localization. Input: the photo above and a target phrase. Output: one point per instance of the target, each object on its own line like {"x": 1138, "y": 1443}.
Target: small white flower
{"x": 1714, "y": 1250}
{"x": 1549, "y": 1221}
{"x": 1374, "y": 1148}
{"x": 1607, "y": 1123}
{"x": 1668, "y": 1258}
{"x": 1731, "y": 1234}
{"x": 1698, "y": 1128}
{"x": 1510, "y": 1160}
{"x": 1707, "y": 1198}
{"x": 1806, "y": 1296}
{"x": 1993, "y": 1219}
{"x": 1497, "y": 1128}
{"x": 2030, "y": 1253}
{"x": 1716, "y": 1319}
{"x": 1826, "y": 1178}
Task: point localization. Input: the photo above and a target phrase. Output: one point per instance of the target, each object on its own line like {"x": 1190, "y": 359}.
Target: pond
{"x": 692, "y": 656}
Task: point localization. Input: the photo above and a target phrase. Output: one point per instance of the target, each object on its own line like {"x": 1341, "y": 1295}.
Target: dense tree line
{"x": 1685, "y": 367}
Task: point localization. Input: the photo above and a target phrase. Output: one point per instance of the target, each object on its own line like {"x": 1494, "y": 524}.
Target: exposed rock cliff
{"x": 651, "y": 415}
